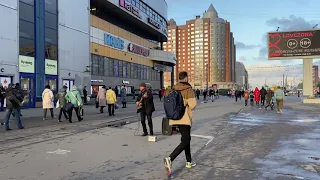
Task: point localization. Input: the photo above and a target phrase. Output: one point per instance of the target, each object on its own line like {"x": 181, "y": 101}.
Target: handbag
{"x": 58, "y": 104}
{"x": 116, "y": 106}
{"x": 68, "y": 107}
{"x": 14, "y": 100}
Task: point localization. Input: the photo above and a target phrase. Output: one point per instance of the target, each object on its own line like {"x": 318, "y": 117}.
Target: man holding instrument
{"x": 145, "y": 108}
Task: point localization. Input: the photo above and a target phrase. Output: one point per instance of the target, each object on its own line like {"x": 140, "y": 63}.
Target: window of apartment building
{"x": 192, "y": 32}
{"x": 192, "y": 24}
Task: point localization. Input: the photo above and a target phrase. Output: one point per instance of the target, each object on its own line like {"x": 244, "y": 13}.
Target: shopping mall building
{"x": 126, "y": 42}
{"x": 83, "y": 43}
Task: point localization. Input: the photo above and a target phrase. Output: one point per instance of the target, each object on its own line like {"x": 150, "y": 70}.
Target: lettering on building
{"x": 114, "y": 42}
{"x": 26, "y": 62}
{"x": 154, "y": 23}
{"x": 51, "y": 65}
{"x": 138, "y": 50}
{"x": 130, "y": 8}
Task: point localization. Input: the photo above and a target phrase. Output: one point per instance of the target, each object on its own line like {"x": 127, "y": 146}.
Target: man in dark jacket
{"x": 14, "y": 97}
{"x": 198, "y": 94}
{"x": 2, "y": 96}
{"x": 145, "y": 108}
{"x": 263, "y": 93}
{"x": 85, "y": 94}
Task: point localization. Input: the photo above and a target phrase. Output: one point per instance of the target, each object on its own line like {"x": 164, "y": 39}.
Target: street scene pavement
{"x": 229, "y": 141}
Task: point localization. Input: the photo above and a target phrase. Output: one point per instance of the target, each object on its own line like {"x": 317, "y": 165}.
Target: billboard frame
{"x": 290, "y": 58}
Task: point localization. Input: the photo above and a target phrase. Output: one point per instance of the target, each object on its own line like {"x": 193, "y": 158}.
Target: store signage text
{"x": 153, "y": 23}
{"x": 26, "y": 64}
{"x": 2, "y": 69}
{"x": 130, "y": 8}
{"x": 51, "y": 67}
{"x": 114, "y": 42}
{"x": 99, "y": 81}
{"x": 125, "y": 82}
{"x": 138, "y": 50}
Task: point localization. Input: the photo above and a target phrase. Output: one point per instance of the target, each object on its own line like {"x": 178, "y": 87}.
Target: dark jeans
{"x": 143, "y": 122}
{"x": 198, "y": 97}
{"x": 77, "y": 113}
{"x": 101, "y": 109}
{"x": 2, "y": 103}
{"x": 185, "y": 143}
{"x": 111, "y": 109}
{"x": 271, "y": 104}
{"x": 236, "y": 98}
{"x": 85, "y": 99}
{"x": 64, "y": 113}
{"x": 124, "y": 104}
{"x": 263, "y": 99}
{"x": 45, "y": 112}
{"x": 8, "y": 114}
{"x": 246, "y": 102}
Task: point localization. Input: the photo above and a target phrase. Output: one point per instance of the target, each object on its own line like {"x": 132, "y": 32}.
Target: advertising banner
{"x": 26, "y": 64}
{"x": 294, "y": 45}
{"x": 51, "y": 67}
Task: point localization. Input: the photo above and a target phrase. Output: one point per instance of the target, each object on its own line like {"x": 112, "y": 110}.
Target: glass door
{"x": 27, "y": 85}
{"x": 53, "y": 85}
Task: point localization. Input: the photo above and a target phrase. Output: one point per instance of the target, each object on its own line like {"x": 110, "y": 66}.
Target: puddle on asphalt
{"x": 298, "y": 156}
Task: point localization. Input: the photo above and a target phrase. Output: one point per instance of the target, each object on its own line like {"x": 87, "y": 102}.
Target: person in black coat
{"x": 263, "y": 93}
{"x": 145, "y": 108}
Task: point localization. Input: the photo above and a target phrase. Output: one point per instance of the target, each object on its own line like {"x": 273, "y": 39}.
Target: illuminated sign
{"x": 138, "y": 50}
{"x": 114, "y": 42}
{"x": 294, "y": 45}
{"x": 129, "y": 8}
{"x": 154, "y": 23}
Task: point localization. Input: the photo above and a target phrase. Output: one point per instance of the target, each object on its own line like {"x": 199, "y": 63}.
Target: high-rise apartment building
{"x": 204, "y": 48}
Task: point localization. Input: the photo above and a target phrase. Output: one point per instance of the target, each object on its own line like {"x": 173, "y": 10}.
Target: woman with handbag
{"x": 73, "y": 98}
{"x": 47, "y": 102}
{"x": 61, "y": 102}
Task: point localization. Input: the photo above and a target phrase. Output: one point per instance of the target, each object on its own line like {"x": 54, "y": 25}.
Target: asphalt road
{"x": 229, "y": 141}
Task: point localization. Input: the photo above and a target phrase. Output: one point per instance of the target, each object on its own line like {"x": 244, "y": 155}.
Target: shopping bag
{"x": 58, "y": 104}
{"x": 68, "y": 107}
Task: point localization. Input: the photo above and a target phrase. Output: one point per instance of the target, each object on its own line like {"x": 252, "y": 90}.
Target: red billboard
{"x": 294, "y": 44}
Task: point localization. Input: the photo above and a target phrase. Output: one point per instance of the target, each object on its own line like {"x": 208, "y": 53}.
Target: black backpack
{"x": 174, "y": 105}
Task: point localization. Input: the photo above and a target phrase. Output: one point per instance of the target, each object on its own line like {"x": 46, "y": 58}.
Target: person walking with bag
{"x": 61, "y": 102}
{"x": 279, "y": 96}
{"x": 74, "y": 97}
{"x": 101, "y": 98}
{"x": 111, "y": 101}
{"x": 14, "y": 98}
{"x": 184, "y": 123}
{"x": 123, "y": 97}
{"x": 47, "y": 102}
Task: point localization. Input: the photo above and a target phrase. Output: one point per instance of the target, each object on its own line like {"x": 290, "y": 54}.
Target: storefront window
{"x": 149, "y": 73}
{"x": 106, "y": 66}
{"x": 129, "y": 70}
{"x": 51, "y": 51}
{"x": 111, "y": 67}
{"x": 51, "y": 20}
{"x": 116, "y": 68}
{"x": 51, "y": 36}
{"x": 26, "y": 47}
{"x": 120, "y": 68}
{"x": 26, "y": 12}
{"x": 31, "y": 2}
{"x": 145, "y": 74}
{"x": 125, "y": 69}
{"x": 101, "y": 65}
{"x": 51, "y": 6}
{"x": 26, "y": 29}
{"x": 94, "y": 65}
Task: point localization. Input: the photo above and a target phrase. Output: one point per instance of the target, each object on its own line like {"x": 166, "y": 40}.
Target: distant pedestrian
{"x": 198, "y": 94}
{"x": 246, "y": 97}
{"x": 47, "y": 102}
{"x": 279, "y": 96}
{"x": 269, "y": 100}
{"x": 257, "y": 96}
{"x": 74, "y": 97}
{"x": 85, "y": 94}
{"x": 61, "y": 98}
{"x": 251, "y": 98}
{"x": 14, "y": 98}
{"x": 161, "y": 93}
{"x": 205, "y": 93}
{"x": 116, "y": 90}
{"x": 123, "y": 96}
{"x": 101, "y": 98}
{"x": 211, "y": 94}
{"x": 111, "y": 101}
{"x": 2, "y": 97}
{"x": 263, "y": 93}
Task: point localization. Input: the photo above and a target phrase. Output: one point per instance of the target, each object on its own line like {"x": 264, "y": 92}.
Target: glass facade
{"x": 105, "y": 66}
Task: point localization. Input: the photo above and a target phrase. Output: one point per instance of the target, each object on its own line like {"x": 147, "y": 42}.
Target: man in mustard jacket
{"x": 184, "y": 124}
{"x": 111, "y": 101}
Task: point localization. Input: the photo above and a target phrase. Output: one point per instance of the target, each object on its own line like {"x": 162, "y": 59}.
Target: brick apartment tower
{"x": 201, "y": 44}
